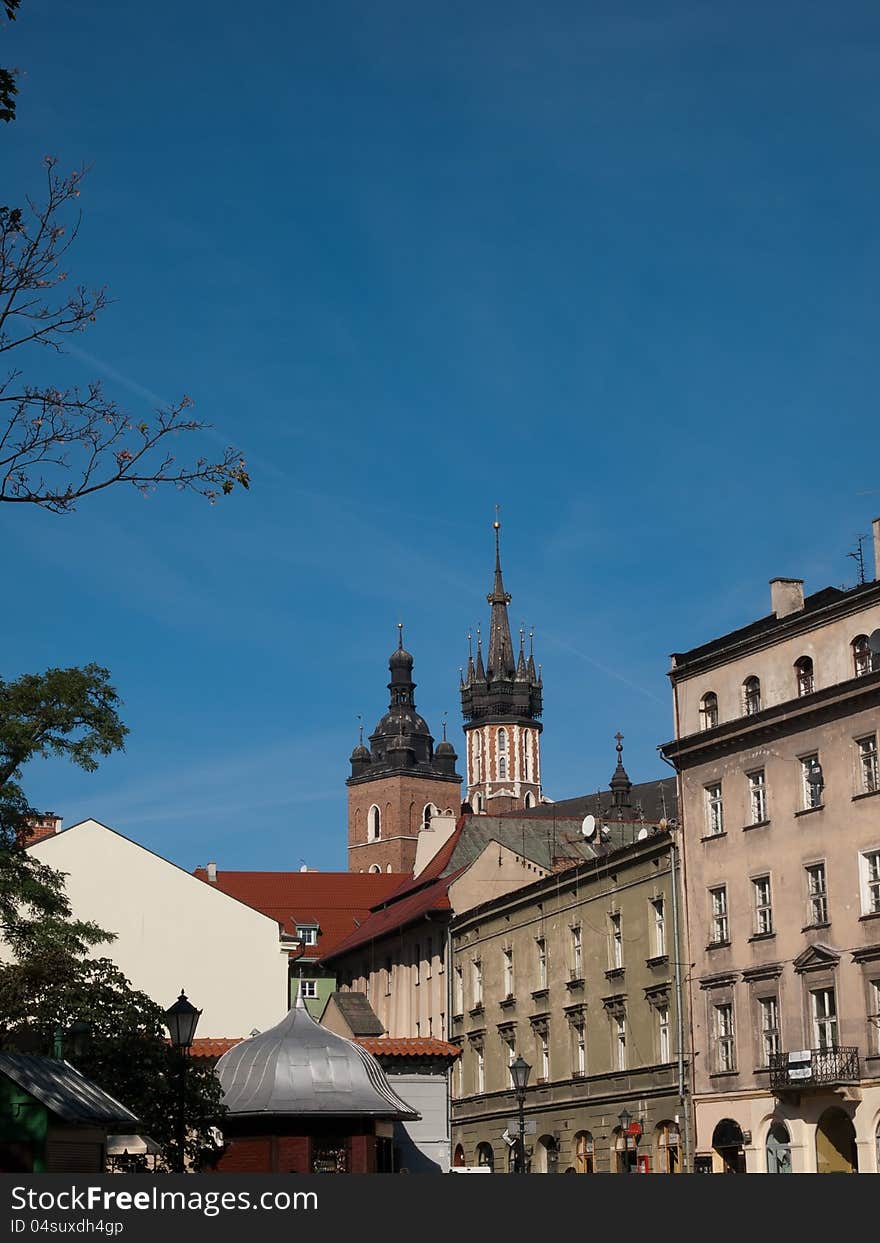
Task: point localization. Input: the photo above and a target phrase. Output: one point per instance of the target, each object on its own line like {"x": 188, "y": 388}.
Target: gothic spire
{"x": 500, "y": 662}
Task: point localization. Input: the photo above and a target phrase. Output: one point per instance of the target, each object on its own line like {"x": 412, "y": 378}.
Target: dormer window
{"x": 307, "y": 933}
{"x": 709, "y": 710}
{"x": 751, "y": 696}
{"x": 803, "y": 669}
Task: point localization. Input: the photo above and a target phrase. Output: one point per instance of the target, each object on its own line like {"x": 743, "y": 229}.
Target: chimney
{"x": 47, "y": 824}
{"x": 212, "y": 873}
{"x": 786, "y": 596}
{"x": 876, "y": 525}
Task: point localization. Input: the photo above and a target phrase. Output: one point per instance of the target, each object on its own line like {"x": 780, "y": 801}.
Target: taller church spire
{"x": 501, "y": 704}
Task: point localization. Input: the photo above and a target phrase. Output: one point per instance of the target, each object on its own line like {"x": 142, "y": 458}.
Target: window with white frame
{"x": 768, "y": 1010}
{"x": 725, "y": 1040}
{"x": 757, "y": 796}
{"x": 811, "y": 791}
{"x": 714, "y": 810}
{"x": 477, "y": 982}
{"x": 751, "y": 696}
{"x": 458, "y": 989}
{"x": 620, "y": 1040}
{"x": 544, "y": 1054}
{"x": 663, "y": 1032}
{"x": 862, "y": 657}
{"x": 719, "y": 925}
{"x": 308, "y": 988}
{"x": 577, "y": 961}
{"x": 374, "y": 824}
{"x": 763, "y": 905}
{"x": 874, "y": 1016}
{"x": 307, "y": 933}
{"x": 817, "y": 894}
{"x": 616, "y": 921}
{"x": 580, "y": 1048}
{"x": 510, "y": 1043}
{"x": 869, "y": 776}
{"x": 508, "y": 972}
{"x": 541, "y": 951}
{"x": 502, "y": 768}
{"x": 870, "y": 882}
{"x": 658, "y": 907}
{"x": 824, "y": 1008}
{"x": 709, "y": 710}
{"x": 481, "y": 1068}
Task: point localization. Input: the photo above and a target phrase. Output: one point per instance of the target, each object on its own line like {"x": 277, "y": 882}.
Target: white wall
{"x": 173, "y": 931}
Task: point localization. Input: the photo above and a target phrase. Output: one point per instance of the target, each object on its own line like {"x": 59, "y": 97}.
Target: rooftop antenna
{"x": 859, "y": 557}
{"x": 663, "y": 797}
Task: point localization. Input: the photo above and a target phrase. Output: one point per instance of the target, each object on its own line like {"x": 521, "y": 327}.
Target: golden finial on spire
{"x": 400, "y": 636}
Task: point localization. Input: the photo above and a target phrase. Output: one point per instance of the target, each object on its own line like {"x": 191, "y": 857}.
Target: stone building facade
{"x": 777, "y": 727}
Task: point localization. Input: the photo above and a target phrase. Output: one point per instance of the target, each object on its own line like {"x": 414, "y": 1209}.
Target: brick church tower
{"x": 399, "y": 782}
{"x": 501, "y": 702}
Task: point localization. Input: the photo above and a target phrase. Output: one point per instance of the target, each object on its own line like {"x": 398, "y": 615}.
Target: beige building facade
{"x": 576, "y": 973}
{"x": 777, "y": 729}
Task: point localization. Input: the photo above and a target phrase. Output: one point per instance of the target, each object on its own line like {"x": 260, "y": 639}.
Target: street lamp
{"x": 519, "y": 1073}
{"x": 181, "y": 1020}
{"x": 625, "y": 1118}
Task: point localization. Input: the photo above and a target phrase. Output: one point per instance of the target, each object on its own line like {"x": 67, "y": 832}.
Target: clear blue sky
{"x": 611, "y": 265}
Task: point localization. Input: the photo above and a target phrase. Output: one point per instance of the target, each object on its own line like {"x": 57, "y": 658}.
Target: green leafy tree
{"x": 8, "y": 84}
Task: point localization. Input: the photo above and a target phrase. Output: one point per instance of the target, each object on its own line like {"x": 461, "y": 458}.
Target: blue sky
{"x": 612, "y": 266}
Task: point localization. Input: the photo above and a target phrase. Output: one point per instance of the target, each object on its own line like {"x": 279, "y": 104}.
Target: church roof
{"x": 298, "y": 1069}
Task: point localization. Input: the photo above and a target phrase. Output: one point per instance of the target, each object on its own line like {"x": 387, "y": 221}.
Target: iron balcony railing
{"x": 814, "y": 1068}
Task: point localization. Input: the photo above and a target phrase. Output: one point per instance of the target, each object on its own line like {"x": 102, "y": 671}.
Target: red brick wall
{"x": 289, "y": 1154}
{"x": 401, "y": 800}
{"x": 247, "y": 1156}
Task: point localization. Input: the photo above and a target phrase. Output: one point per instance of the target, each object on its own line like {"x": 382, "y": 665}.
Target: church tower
{"x": 501, "y": 701}
{"x": 399, "y": 782}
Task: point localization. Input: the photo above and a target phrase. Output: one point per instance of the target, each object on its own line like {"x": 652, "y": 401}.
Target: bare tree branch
{"x": 59, "y": 445}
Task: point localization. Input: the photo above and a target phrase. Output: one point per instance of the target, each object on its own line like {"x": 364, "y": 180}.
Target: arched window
{"x": 709, "y": 710}
{"x": 836, "y": 1151}
{"x": 374, "y": 824}
{"x": 803, "y": 669}
{"x": 502, "y": 740}
{"x": 427, "y": 815}
{"x": 502, "y": 767}
{"x": 458, "y": 1156}
{"x": 583, "y": 1153}
{"x": 863, "y": 659}
{"x": 374, "y": 867}
{"x": 667, "y": 1144}
{"x": 727, "y": 1140}
{"x": 478, "y": 803}
{"x": 751, "y": 696}
{"x": 778, "y": 1149}
{"x": 485, "y": 1156}
{"x": 529, "y": 800}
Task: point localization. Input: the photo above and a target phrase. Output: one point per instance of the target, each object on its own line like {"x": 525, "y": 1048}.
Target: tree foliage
{"x": 60, "y": 444}
{"x": 8, "y": 85}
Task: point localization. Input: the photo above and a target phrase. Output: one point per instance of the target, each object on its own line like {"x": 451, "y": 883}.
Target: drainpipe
{"x": 679, "y": 1012}
{"x": 449, "y": 1071}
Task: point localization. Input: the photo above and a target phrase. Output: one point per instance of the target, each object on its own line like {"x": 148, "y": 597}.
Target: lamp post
{"x": 625, "y": 1118}
{"x": 519, "y": 1072}
{"x": 181, "y": 1020}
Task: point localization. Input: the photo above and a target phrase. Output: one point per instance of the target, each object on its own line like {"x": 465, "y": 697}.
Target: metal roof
{"x": 299, "y": 1068}
{"x": 63, "y": 1090}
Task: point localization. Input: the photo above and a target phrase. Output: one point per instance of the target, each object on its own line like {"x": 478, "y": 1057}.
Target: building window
{"x": 874, "y": 1017}
{"x": 757, "y": 796}
{"x": 824, "y": 1018}
{"x": 869, "y": 779}
{"x": 659, "y": 909}
{"x": 817, "y": 894}
{"x": 620, "y": 1040}
{"x": 714, "y": 810}
{"x": 725, "y": 1043}
{"x": 458, "y": 984}
{"x": 663, "y": 1032}
{"x": 308, "y": 988}
{"x": 502, "y": 767}
{"x": 508, "y": 972}
{"x": 481, "y": 1070}
{"x": 769, "y": 1015}
{"x": 544, "y": 1042}
{"x": 307, "y": 934}
{"x": 477, "y": 981}
{"x": 577, "y": 963}
{"x": 510, "y": 1041}
{"x": 811, "y": 791}
{"x": 502, "y": 740}
{"x": 709, "y": 710}
{"x": 763, "y": 905}
{"x": 751, "y": 696}
{"x": 616, "y": 921}
{"x": 863, "y": 659}
{"x": 870, "y": 877}
{"x": 580, "y": 1049}
{"x": 541, "y": 947}
{"x": 584, "y": 1153}
{"x": 374, "y": 824}
{"x": 720, "y": 929}
{"x": 803, "y": 669}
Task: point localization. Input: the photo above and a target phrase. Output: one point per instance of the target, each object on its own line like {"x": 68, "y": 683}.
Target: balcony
{"x": 814, "y": 1068}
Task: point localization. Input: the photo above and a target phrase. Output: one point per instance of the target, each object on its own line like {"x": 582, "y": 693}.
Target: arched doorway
{"x": 624, "y": 1152}
{"x": 583, "y": 1153}
{"x": 778, "y": 1149}
{"x": 667, "y": 1148}
{"x": 485, "y": 1156}
{"x": 836, "y": 1144}
{"x": 727, "y": 1140}
{"x": 546, "y": 1159}
{"x": 458, "y": 1156}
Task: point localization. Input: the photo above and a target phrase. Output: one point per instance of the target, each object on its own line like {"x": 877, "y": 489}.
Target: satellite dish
{"x": 874, "y": 642}
{"x": 641, "y": 835}
{"x": 588, "y": 826}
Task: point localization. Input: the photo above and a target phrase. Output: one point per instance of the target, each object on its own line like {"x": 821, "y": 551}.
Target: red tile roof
{"x": 214, "y": 1048}
{"x": 391, "y": 1046}
{"x": 336, "y": 901}
{"x": 399, "y": 913}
